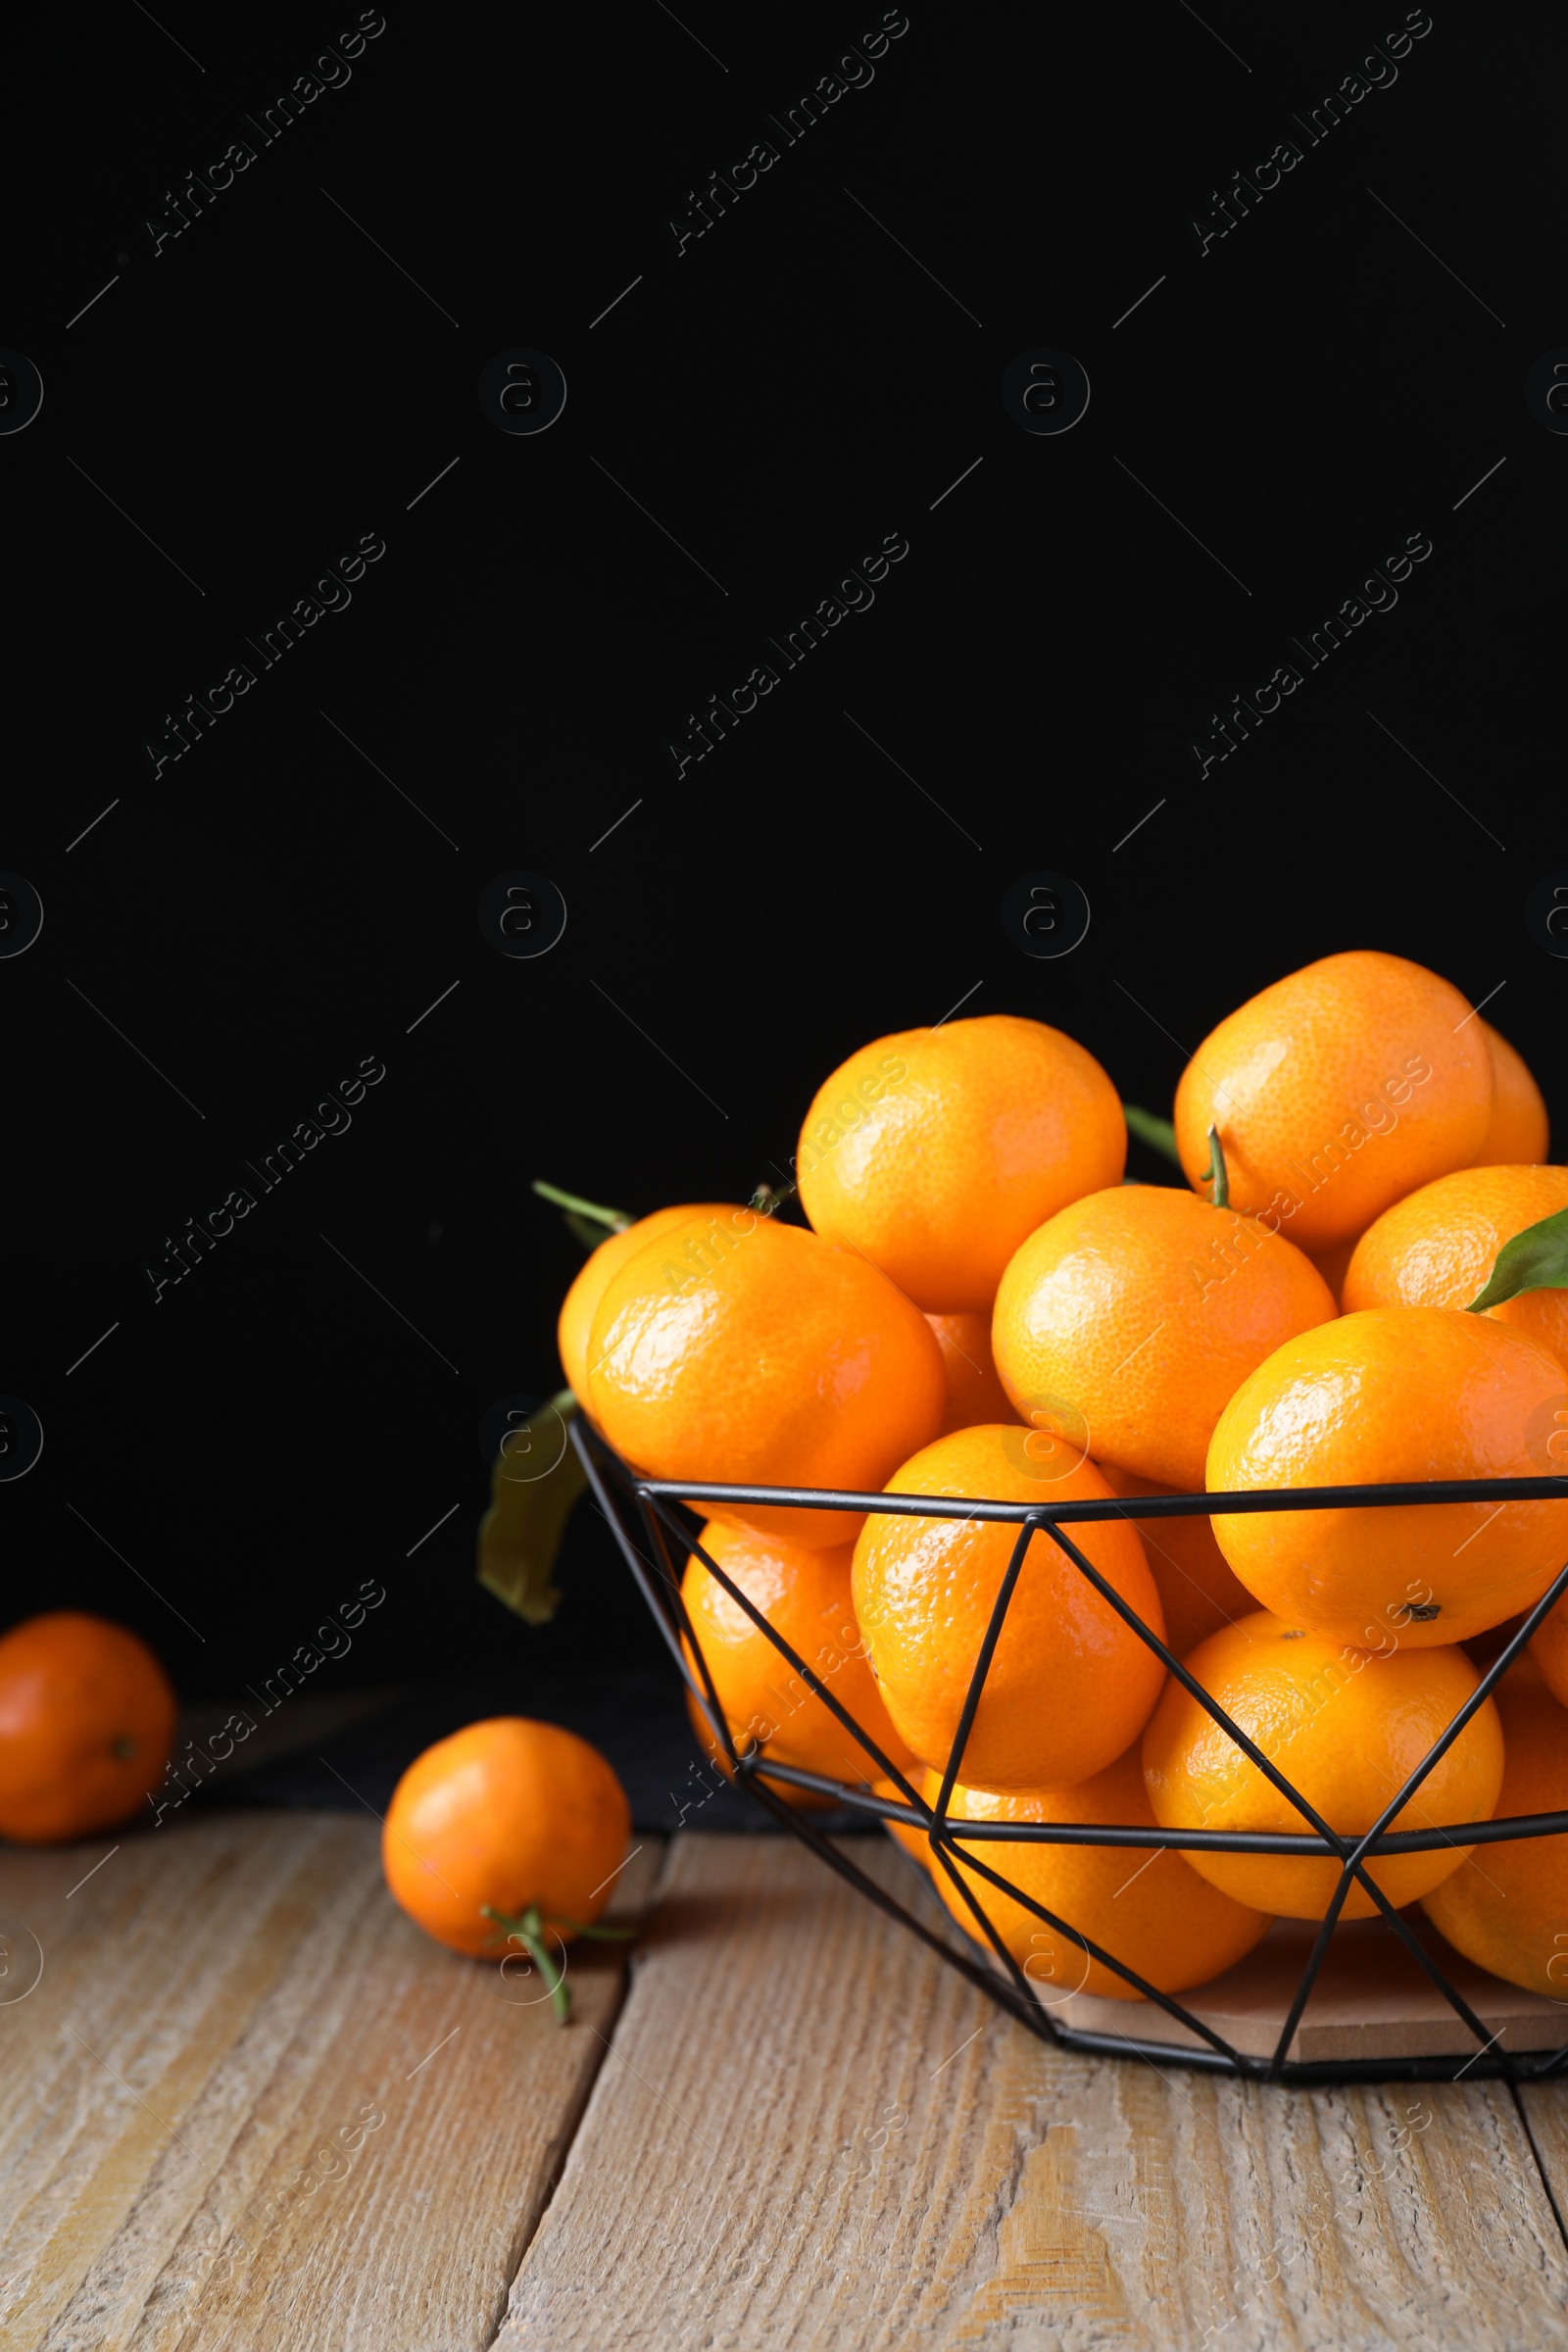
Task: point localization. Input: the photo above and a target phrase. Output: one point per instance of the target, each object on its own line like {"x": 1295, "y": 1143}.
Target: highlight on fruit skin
{"x": 1141, "y": 1904}
{"x": 1345, "y": 1727}
{"x": 1335, "y": 1091}
{"x": 1390, "y": 1396}
{"x": 577, "y": 1309}
{"x": 87, "y": 1721}
{"x": 739, "y": 1350}
{"x": 935, "y": 1152}
{"x": 924, "y": 1589}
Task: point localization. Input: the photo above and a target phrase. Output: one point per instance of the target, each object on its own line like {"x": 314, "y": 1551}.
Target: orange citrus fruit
{"x": 974, "y": 1392}
{"x": 1134, "y": 1314}
{"x": 1199, "y": 1590}
{"x": 805, "y": 1595}
{"x": 588, "y": 1285}
{"x": 87, "y": 1720}
{"x": 732, "y": 1347}
{"x": 1070, "y": 1685}
{"x": 806, "y": 1800}
{"x": 1509, "y": 1911}
{"x": 1335, "y": 1092}
{"x": 1517, "y": 1136}
{"x": 913, "y": 1842}
{"x": 1548, "y": 1647}
{"x": 1140, "y": 1903}
{"x": 1334, "y": 1264}
{"x": 1437, "y": 1247}
{"x": 1347, "y": 1729}
{"x": 503, "y": 1818}
{"x": 1393, "y": 1394}
{"x": 935, "y": 1151}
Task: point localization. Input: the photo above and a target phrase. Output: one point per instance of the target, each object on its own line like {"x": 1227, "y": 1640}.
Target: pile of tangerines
{"x": 985, "y": 1308}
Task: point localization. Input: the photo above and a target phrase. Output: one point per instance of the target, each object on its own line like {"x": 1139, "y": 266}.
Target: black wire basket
{"x": 654, "y": 1510}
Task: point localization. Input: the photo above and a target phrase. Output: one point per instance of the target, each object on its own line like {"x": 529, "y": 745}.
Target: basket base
{"x": 1371, "y": 2000}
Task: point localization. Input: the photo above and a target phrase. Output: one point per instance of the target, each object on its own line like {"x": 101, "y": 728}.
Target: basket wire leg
{"x": 941, "y": 1851}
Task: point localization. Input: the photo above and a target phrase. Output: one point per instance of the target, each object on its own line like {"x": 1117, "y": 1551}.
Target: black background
{"x": 781, "y": 396}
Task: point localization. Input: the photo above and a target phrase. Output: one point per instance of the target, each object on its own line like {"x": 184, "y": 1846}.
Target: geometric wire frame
{"x": 657, "y": 1508}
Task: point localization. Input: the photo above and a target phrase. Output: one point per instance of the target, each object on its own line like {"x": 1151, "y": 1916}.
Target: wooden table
{"x": 248, "y": 2105}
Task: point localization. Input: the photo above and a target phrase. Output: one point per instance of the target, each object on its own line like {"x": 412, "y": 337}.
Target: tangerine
{"x": 804, "y": 1597}
{"x": 934, "y": 1151}
{"x": 1517, "y": 1136}
{"x": 1437, "y": 1247}
{"x": 1143, "y": 1904}
{"x": 1391, "y": 1395}
{"x": 739, "y": 1350}
{"x": 975, "y": 1394}
{"x": 507, "y": 1831}
{"x": 924, "y": 1589}
{"x": 1347, "y": 1729}
{"x": 1199, "y": 1590}
{"x": 87, "y": 1720}
{"x": 1134, "y": 1314}
{"x": 1510, "y": 1913}
{"x": 1336, "y": 1091}
{"x": 589, "y": 1283}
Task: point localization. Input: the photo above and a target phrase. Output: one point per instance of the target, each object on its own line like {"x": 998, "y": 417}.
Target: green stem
{"x": 1158, "y": 1133}
{"x": 529, "y": 1932}
{"x": 1215, "y": 1173}
{"x": 770, "y": 1198}
{"x": 615, "y": 1220}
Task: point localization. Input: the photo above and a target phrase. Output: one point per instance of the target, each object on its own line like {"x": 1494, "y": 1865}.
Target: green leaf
{"x": 583, "y": 1231}
{"x": 519, "y": 1536}
{"x": 1158, "y": 1133}
{"x": 1536, "y": 1259}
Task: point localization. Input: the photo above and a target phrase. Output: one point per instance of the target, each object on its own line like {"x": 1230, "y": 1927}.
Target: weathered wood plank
{"x": 811, "y": 2134}
{"x": 248, "y": 2103}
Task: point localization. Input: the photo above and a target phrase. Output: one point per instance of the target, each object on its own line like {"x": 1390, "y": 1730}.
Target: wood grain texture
{"x": 187, "y": 2158}
{"x": 811, "y": 2134}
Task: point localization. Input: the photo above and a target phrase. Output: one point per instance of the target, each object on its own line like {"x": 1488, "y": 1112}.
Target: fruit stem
{"x": 770, "y": 1198}
{"x": 1220, "y": 1197}
{"x": 615, "y": 1220}
{"x": 1158, "y": 1133}
{"x": 529, "y": 1930}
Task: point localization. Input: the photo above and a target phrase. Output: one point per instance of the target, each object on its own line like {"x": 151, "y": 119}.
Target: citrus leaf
{"x": 583, "y": 1231}
{"x": 1158, "y": 1133}
{"x": 519, "y": 1536}
{"x": 1536, "y": 1259}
